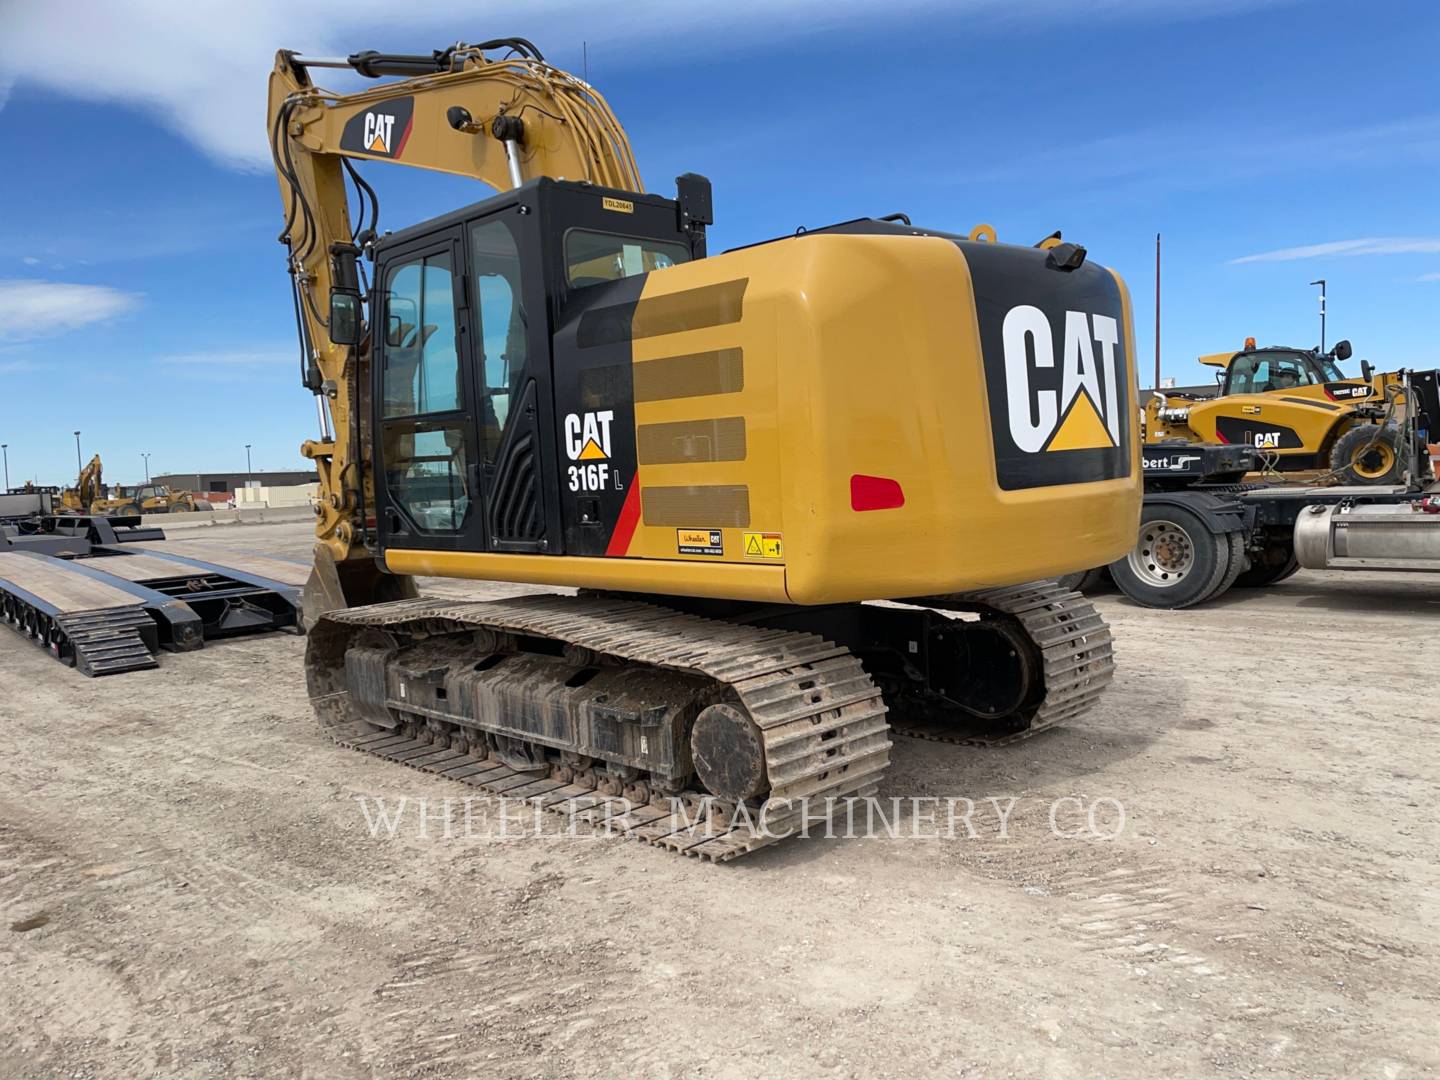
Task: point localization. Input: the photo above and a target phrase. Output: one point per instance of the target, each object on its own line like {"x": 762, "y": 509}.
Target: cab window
{"x": 496, "y": 260}
{"x": 422, "y": 371}
{"x": 1263, "y": 373}
{"x": 592, "y": 258}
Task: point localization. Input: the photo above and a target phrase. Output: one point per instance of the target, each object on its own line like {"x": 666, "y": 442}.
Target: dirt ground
{"x": 188, "y": 886}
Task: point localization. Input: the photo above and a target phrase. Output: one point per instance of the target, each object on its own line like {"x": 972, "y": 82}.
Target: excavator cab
{"x": 476, "y": 310}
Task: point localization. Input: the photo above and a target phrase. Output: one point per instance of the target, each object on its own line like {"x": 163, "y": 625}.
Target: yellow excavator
{"x": 89, "y": 486}
{"x": 716, "y": 461}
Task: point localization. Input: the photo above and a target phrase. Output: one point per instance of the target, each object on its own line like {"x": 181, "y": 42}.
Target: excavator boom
{"x": 496, "y": 112}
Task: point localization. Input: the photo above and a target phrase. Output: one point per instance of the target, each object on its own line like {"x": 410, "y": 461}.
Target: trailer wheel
{"x": 1368, "y": 454}
{"x": 1177, "y": 560}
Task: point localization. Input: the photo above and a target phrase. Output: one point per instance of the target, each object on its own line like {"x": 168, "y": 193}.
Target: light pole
{"x": 146, "y": 456}
{"x": 1321, "y": 283}
{"x": 79, "y": 466}
{"x": 247, "y": 465}
{"x": 5, "y": 449}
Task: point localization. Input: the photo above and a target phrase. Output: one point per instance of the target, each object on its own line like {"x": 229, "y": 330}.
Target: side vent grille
{"x": 515, "y": 513}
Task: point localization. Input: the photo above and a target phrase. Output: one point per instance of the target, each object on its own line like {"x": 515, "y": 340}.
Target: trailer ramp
{"x": 76, "y": 615}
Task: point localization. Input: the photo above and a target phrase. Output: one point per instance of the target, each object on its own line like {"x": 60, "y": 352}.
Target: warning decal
{"x": 699, "y": 542}
{"x": 762, "y": 545}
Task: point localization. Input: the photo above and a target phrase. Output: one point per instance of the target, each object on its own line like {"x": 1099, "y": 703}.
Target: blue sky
{"x": 143, "y": 296}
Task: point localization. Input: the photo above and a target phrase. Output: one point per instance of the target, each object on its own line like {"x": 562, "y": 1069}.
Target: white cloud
{"x": 236, "y": 365}
{"x": 1428, "y": 277}
{"x": 30, "y": 309}
{"x": 259, "y": 358}
{"x": 1380, "y": 245}
{"x": 201, "y": 66}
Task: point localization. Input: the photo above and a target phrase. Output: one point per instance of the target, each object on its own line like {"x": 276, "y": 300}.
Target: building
{"x": 223, "y": 484}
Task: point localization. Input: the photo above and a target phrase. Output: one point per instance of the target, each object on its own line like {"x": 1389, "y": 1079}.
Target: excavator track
{"x": 1073, "y": 660}
{"x": 821, "y": 718}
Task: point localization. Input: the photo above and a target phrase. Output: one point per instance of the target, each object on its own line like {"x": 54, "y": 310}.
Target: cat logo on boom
{"x": 378, "y": 131}
{"x": 587, "y": 441}
{"x": 381, "y": 131}
{"x": 1082, "y": 414}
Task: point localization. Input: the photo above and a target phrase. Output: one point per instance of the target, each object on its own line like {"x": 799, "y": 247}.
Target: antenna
{"x": 1157, "y": 311}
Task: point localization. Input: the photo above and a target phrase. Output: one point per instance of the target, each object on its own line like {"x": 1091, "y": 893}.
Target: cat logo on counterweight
{"x": 1082, "y": 413}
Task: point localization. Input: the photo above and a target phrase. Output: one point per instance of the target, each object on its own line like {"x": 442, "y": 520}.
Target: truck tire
{"x": 1177, "y": 560}
{"x": 1368, "y": 454}
{"x": 1274, "y": 564}
{"x": 1083, "y": 581}
{"x": 1239, "y": 563}
{"x": 127, "y": 511}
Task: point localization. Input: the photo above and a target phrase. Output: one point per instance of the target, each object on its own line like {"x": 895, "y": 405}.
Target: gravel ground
{"x": 188, "y": 886}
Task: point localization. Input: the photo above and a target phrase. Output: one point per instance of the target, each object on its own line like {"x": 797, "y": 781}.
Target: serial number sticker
{"x": 620, "y": 206}
{"x": 699, "y": 542}
{"x": 762, "y": 546}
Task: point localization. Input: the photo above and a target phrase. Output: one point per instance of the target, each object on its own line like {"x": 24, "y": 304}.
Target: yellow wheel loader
{"x": 727, "y": 455}
{"x": 148, "y": 499}
{"x": 1301, "y": 412}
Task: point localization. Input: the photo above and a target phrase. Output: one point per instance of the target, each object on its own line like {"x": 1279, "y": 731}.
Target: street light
{"x": 146, "y": 456}
{"x": 1321, "y": 283}
{"x": 248, "y": 478}
{"x": 5, "y": 449}
{"x": 79, "y": 467}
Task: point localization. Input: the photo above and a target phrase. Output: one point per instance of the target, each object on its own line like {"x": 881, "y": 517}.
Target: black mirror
{"x": 1366, "y": 370}
{"x": 394, "y": 331}
{"x": 344, "y": 318}
{"x": 1341, "y": 351}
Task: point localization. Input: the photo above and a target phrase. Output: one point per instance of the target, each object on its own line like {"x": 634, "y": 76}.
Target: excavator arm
{"x": 502, "y": 121}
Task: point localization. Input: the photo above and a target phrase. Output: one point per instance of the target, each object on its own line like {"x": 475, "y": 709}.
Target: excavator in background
{"x": 90, "y": 495}
{"x": 1299, "y": 411}
{"x": 726, "y": 455}
{"x": 89, "y": 486}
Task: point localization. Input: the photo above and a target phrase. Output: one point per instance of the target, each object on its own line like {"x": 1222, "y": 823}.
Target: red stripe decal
{"x": 405, "y": 137}
{"x": 1222, "y": 438}
{"x": 625, "y": 524}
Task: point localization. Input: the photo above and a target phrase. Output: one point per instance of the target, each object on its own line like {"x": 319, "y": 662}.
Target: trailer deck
{"x": 109, "y": 607}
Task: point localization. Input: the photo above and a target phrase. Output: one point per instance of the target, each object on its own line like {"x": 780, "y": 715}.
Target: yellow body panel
{"x": 861, "y": 356}
{"x": 765, "y": 584}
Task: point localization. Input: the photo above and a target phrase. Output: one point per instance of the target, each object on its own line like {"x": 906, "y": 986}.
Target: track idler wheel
{"x": 1002, "y": 674}
{"x": 729, "y": 753}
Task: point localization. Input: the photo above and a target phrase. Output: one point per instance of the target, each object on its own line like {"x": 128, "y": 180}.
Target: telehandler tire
{"x": 1368, "y": 454}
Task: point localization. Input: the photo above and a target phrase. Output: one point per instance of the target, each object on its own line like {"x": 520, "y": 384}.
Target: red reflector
{"x": 875, "y": 493}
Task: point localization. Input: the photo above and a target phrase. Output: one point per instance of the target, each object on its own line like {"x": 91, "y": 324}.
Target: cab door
{"x": 427, "y": 449}
{"x": 515, "y": 412}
